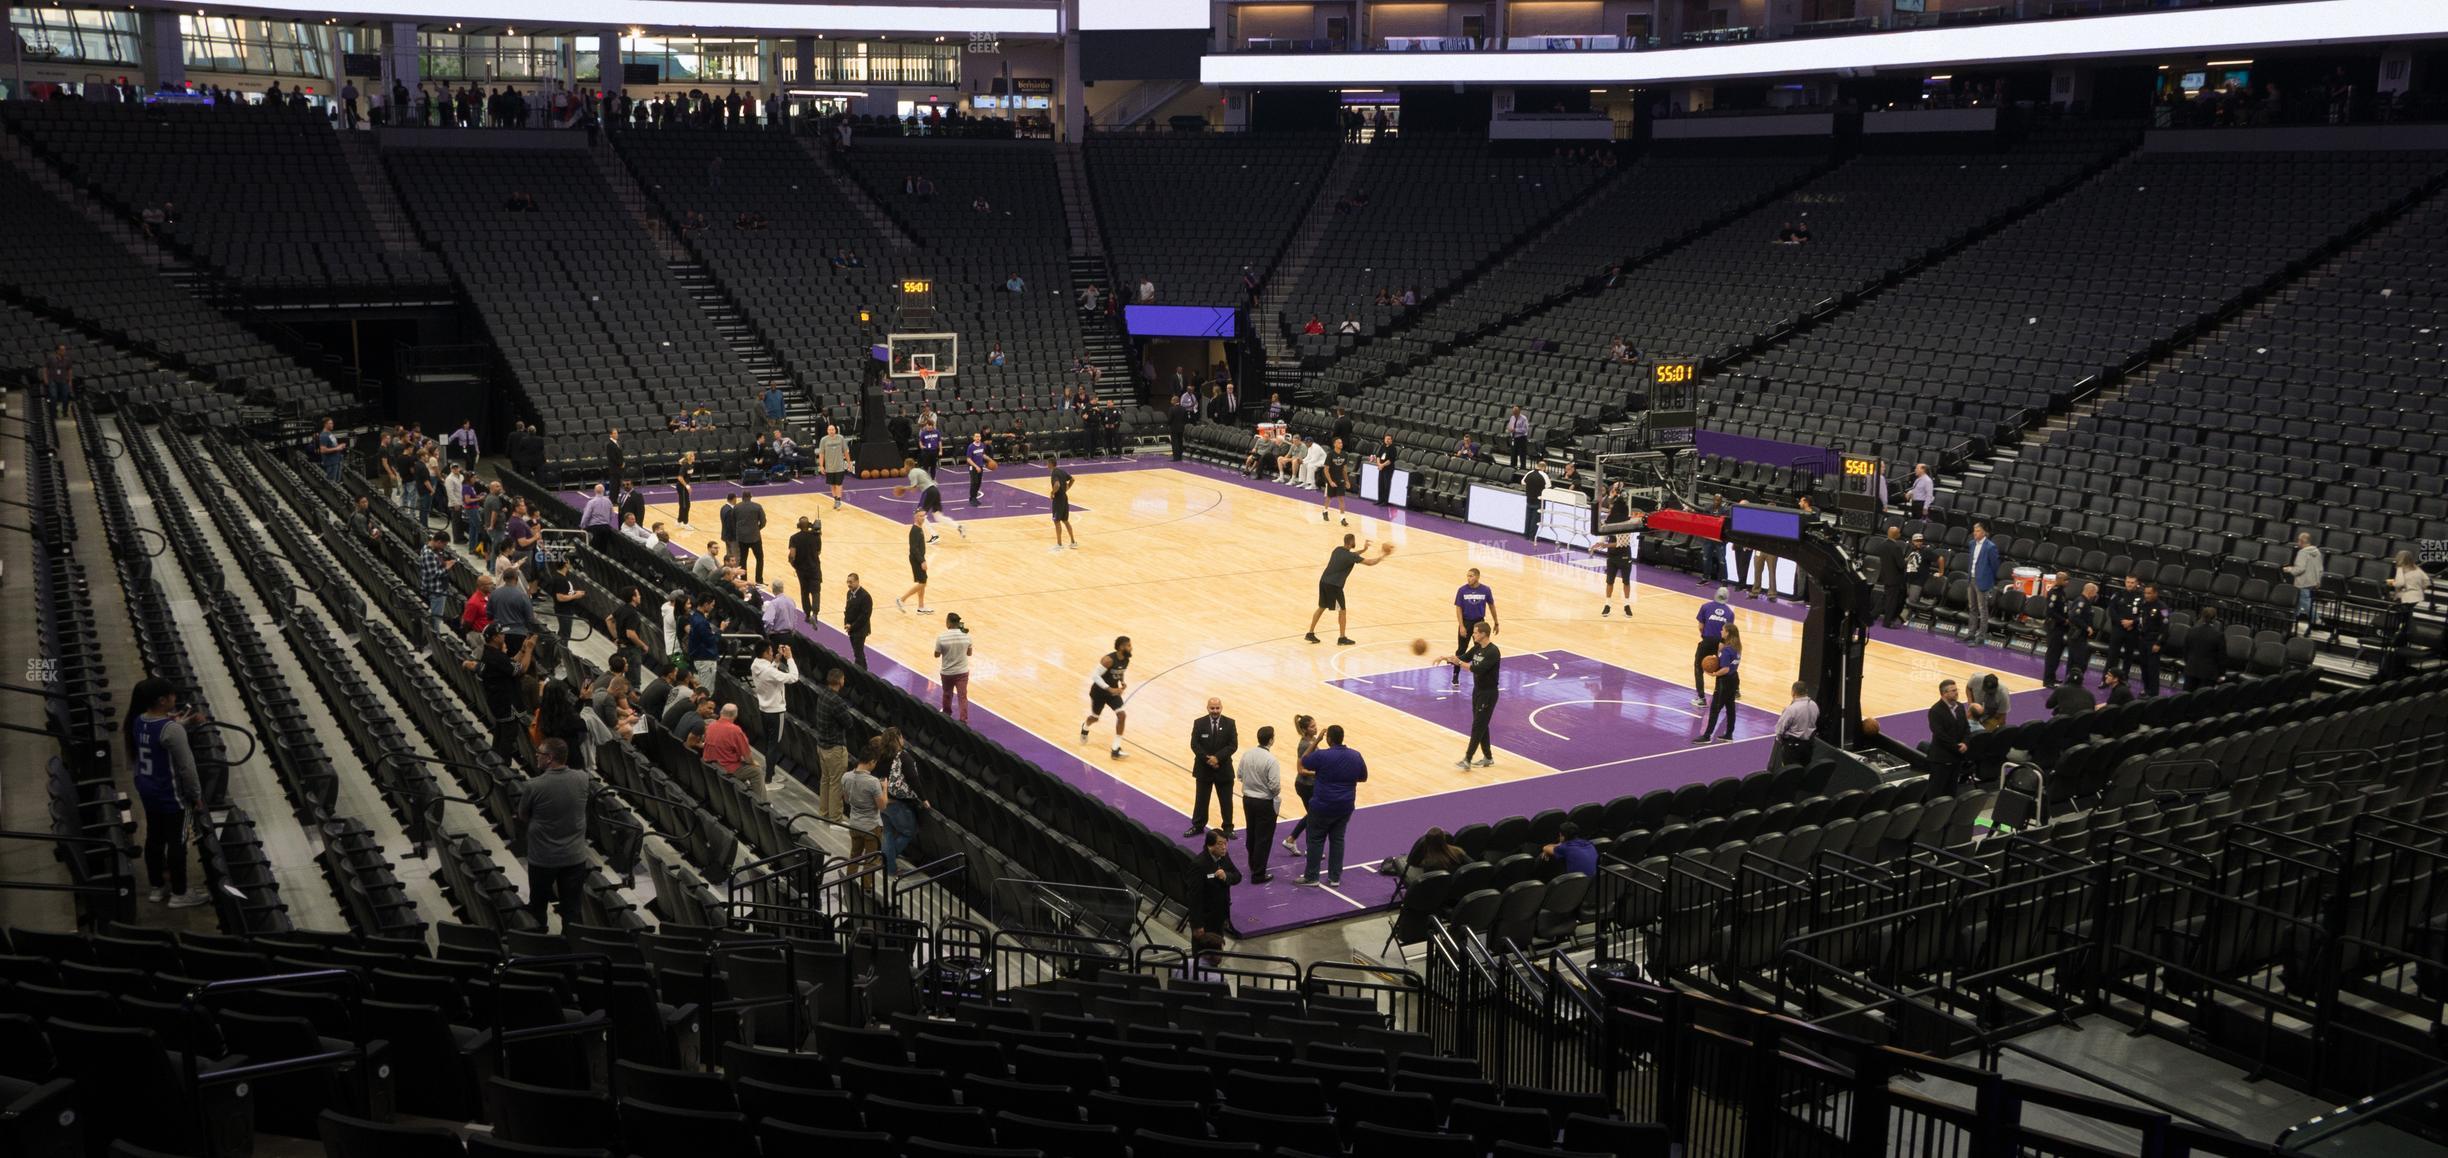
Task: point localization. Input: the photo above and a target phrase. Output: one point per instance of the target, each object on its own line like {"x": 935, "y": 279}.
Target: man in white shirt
{"x": 1313, "y": 460}
{"x": 631, "y": 531}
{"x": 771, "y": 675}
{"x": 1261, "y": 777}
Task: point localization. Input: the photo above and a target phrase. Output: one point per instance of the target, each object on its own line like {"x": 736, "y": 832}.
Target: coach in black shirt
{"x": 614, "y": 459}
{"x": 1534, "y": 490}
{"x": 1385, "y": 471}
{"x": 1213, "y": 740}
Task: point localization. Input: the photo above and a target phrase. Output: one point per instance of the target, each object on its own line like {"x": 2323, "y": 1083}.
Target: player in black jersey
{"x": 1617, "y": 550}
{"x": 1058, "y": 482}
{"x": 1105, "y": 690}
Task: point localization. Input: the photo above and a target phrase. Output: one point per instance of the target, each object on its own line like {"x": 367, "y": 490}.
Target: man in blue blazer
{"x": 1984, "y": 581}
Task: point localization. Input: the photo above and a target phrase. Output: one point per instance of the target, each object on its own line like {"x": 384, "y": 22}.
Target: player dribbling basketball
{"x": 1105, "y": 690}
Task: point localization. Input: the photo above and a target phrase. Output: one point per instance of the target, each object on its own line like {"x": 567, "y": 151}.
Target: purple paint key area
{"x": 1567, "y": 711}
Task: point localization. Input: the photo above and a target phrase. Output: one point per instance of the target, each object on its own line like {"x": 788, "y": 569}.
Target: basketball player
{"x": 1617, "y": 550}
{"x": 1715, "y": 616}
{"x": 1484, "y": 661}
{"x": 1330, "y": 586}
{"x": 1474, "y": 603}
{"x": 1105, "y": 690}
{"x": 833, "y": 458}
{"x": 979, "y": 464}
{"x": 930, "y": 499}
{"x": 918, "y": 540}
{"x": 1333, "y": 484}
{"x": 1059, "y": 483}
{"x": 930, "y": 441}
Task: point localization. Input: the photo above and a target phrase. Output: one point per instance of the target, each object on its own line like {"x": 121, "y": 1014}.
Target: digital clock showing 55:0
{"x": 917, "y": 285}
{"x": 1860, "y": 467}
{"x": 1675, "y": 373}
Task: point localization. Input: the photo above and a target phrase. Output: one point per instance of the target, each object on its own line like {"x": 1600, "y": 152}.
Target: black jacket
{"x": 2205, "y": 653}
{"x": 856, "y": 610}
{"x": 634, "y": 503}
{"x": 1212, "y": 908}
{"x": 1890, "y": 556}
{"x": 1219, "y": 738}
{"x": 1948, "y": 727}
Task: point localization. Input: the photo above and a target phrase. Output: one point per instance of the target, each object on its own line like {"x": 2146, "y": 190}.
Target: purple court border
{"x": 1384, "y": 830}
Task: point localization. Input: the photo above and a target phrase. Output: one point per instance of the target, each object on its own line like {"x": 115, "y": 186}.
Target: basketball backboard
{"x": 933, "y": 357}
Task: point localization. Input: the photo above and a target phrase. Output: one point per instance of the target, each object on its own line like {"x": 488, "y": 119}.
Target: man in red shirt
{"x": 726, "y": 747}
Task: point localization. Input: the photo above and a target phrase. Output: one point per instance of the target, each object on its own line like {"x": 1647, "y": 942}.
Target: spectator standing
{"x": 1261, "y": 779}
{"x": 597, "y": 519}
{"x": 59, "y": 377}
{"x": 2205, "y": 659}
{"x": 433, "y": 575}
{"x": 1924, "y": 494}
{"x": 904, "y": 806}
{"x": 164, "y": 771}
{"x": 828, "y": 721}
{"x": 1517, "y": 434}
{"x": 1211, "y": 910}
{"x": 2306, "y": 573}
{"x": 2409, "y": 585}
{"x": 771, "y": 674}
{"x": 2125, "y": 625}
{"x": 553, "y": 810}
{"x": 704, "y": 644}
{"x": 512, "y": 610}
{"x": 560, "y": 585}
{"x": 330, "y": 452}
{"x": 952, "y": 651}
{"x": 1340, "y": 771}
{"x": 862, "y": 802}
{"x": 1984, "y": 580}
{"x": 348, "y": 104}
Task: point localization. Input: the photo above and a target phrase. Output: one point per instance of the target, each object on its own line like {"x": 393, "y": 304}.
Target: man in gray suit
{"x": 748, "y": 530}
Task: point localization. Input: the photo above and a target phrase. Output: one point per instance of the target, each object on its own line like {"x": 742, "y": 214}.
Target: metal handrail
{"x": 503, "y": 1036}
{"x": 192, "y": 1008}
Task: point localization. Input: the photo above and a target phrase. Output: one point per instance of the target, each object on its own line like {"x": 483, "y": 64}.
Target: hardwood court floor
{"x": 1214, "y": 583}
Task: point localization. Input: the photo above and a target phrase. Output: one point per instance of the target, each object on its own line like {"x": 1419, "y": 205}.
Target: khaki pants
{"x": 865, "y": 844}
{"x": 752, "y": 774}
{"x": 831, "y": 763}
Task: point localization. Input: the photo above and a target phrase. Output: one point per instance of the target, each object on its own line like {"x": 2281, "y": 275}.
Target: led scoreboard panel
{"x": 918, "y": 292}
{"x": 1675, "y": 373}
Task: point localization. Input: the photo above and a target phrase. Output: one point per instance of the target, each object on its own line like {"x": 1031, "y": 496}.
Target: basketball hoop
{"x": 926, "y": 379}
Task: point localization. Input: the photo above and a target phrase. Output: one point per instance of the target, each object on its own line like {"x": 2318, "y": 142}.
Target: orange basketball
{"x": 1419, "y": 647}
{"x": 1870, "y": 727}
{"x": 1710, "y": 665}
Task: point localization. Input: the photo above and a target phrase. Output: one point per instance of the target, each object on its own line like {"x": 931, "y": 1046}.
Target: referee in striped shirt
{"x": 1796, "y": 727}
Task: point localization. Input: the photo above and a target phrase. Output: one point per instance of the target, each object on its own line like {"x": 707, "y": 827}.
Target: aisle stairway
{"x": 1283, "y": 369}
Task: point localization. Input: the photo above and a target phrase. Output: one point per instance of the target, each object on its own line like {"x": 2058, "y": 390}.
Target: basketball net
{"x": 926, "y": 379}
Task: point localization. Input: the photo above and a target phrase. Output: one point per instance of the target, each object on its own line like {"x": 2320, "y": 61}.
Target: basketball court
{"x": 1214, "y": 576}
